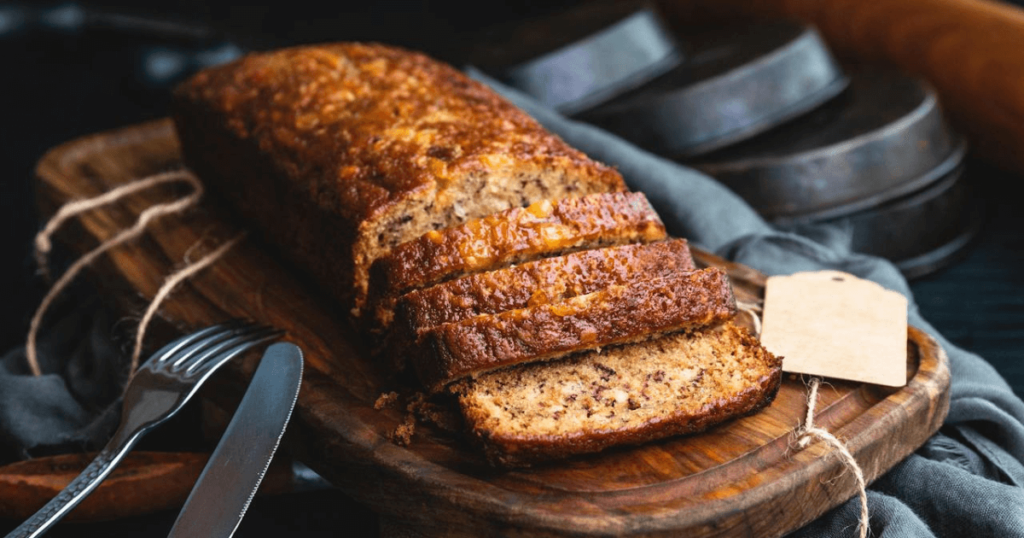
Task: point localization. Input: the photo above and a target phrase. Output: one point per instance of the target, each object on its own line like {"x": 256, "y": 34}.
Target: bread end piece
{"x": 678, "y": 384}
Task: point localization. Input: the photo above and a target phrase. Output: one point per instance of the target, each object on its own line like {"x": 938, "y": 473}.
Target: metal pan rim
{"x": 767, "y": 122}
{"x": 661, "y": 54}
{"x": 928, "y": 106}
{"x": 966, "y": 209}
{"x": 947, "y": 166}
{"x": 947, "y": 253}
{"x": 944, "y": 255}
{"x": 729, "y": 77}
{"x": 674, "y": 126}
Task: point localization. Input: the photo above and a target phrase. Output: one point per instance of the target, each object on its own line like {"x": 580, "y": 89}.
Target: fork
{"x": 157, "y": 391}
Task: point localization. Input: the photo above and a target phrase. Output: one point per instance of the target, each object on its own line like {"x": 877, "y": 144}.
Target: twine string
{"x": 44, "y": 244}
{"x": 190, "y": 269}
{"x": 808, "y": 433}
{"x": 43, "y": 240}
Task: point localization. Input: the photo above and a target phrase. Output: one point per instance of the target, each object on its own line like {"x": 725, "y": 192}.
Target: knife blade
{"x": 230, "y": 479}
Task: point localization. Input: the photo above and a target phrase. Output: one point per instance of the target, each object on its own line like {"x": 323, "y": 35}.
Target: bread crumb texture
{"x": 675, "y": 384}
{"x": 540, "y": 282}
{"x": 615, "y": 315}
{"x": 397, "y": 119}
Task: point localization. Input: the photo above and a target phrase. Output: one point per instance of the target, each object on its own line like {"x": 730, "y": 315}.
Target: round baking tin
{"x": 735, "y": 83}
{"x": 577, "y": 59}
{"x": 921, "y": 232}
{"x": 883, "y": 138}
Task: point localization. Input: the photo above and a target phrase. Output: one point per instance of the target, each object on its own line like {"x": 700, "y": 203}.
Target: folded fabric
{"x": 965, "y": 481}
{"x": 75, "y": 404}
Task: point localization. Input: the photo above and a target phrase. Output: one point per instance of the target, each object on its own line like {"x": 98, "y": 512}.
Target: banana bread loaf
{"x": 339, "y": 152}
{"x": 636, "y": 311}
{"x": 632, "y": 394}
{"x": 346, "y": 154}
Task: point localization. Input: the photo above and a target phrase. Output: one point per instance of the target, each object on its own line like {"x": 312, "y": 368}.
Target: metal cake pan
{"x": 576, "y": 59}
{"x": 883, "y": 138}
{"x": 736, "y": 82}
{"x": 921, "y": 232}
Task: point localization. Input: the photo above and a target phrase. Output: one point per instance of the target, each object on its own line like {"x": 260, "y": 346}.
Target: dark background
{"x": 63, "y": 80}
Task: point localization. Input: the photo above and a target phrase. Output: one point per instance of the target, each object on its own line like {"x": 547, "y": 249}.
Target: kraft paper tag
{"x": 833, "y": 324}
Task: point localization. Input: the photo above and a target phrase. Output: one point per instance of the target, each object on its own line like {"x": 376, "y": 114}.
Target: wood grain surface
{"x": 970, "y": 50}
{"x": 143, "y": 483}
{"x": 742, "y": 478}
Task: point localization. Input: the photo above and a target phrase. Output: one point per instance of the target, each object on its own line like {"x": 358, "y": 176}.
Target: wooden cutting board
{"x": 742, "y": 478}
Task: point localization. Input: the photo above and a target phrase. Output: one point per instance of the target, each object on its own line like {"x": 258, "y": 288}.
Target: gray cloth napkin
{"x": 967, "y": 480}
{"x": 75, "y": 405}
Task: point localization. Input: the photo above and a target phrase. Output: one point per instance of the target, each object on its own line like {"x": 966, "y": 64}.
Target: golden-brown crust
{"x": 524, "y": 450}
{"x": 519, "y": 233}
{"x": 364, "y": 125}
{"x": 539, "y": 282}
{"x": 533, "y": 283}
{"x": 617, "y": 314}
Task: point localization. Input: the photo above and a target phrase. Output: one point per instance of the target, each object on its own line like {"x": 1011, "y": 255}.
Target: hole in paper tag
{"x": 833, "y": 324}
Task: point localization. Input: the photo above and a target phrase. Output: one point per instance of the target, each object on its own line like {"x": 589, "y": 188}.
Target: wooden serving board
{"x": 742, "y": 478}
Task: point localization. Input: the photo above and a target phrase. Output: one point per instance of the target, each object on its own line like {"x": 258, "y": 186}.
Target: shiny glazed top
{"x": 368, "y": 124}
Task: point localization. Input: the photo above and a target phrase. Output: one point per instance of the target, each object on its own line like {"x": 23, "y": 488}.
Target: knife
{"x": 230, "y": 479}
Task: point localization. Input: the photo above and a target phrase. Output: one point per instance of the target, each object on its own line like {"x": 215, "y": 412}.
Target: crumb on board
{"x": 402, "y": 435}
{"x": 432, "y": 412}
{"x": 441, "y": 416}
{"x": 417, "y": 409}
{"x": 386, "y": 400}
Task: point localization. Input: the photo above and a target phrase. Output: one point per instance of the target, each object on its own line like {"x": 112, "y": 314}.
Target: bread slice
{"x": 541, "y": 229}
{"x": 538, "y": 282}
{"x": 533, "y": 283}
{"x": 339, "y": 152}
{"x": 622, "y": 313}
{"x": 625, "y": 395}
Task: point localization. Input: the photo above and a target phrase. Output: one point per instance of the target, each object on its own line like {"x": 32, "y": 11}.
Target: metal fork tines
{"x": 157, "y": 391}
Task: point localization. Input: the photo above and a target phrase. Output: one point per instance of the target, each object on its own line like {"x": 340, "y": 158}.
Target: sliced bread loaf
{"x": 338, "y": 152}
{"x": 542, "y": 229}
{"x": 635, "y": 311}
{"x": 680, "y": 383}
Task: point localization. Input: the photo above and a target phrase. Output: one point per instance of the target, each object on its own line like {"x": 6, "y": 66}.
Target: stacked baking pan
{"x": 765, "y": 109}
{"x": 878, "y": 160}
